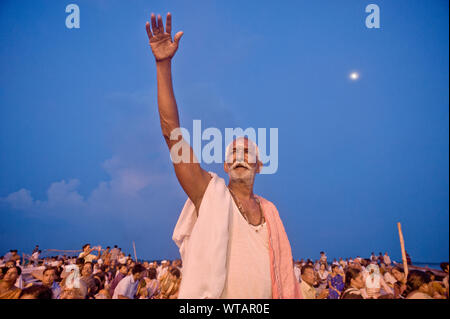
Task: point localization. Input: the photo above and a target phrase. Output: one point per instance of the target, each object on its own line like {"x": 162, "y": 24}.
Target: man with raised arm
{"x": 232, "y": 242}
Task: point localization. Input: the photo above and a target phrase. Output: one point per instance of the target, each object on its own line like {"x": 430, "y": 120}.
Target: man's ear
{"x": 225, "y": 167}
{"x": 260, "y": 166}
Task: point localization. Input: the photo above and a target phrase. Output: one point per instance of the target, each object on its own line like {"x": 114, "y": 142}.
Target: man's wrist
{"x": 162, "y": 63}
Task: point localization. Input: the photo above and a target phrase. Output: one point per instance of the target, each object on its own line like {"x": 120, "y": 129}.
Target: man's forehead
{"x": 242, "y": 143}
{"x": 309, "y": 270}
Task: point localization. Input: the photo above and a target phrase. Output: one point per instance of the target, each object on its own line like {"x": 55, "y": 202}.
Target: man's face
{"x": 137, "y": 276}
{"x": 123, "y": 270}
{"x": 242, "y": 162}
{"x": 87, "y": 247}
{"x": 48, "y": 277}
{"x": 308, "y": 276}
{"x": 358, "y": 282}
{"x": 87, "y": 270}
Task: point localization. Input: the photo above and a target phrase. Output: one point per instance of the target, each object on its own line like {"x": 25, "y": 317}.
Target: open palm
{"x": 161, "y": 42}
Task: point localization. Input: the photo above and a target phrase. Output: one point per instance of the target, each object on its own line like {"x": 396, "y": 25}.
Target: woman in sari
{"x": 152, "y": 283}
{"x": 322, "y": 278}
{"x": 400, "y": 284}
{"x": 170, "y": 284}
{"x": 335, "y": 283}
{"x": 7, "y": 288}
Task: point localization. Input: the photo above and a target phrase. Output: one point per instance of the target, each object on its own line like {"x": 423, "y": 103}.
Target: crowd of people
{"x": 95, "y": 273}
{"x": 98, "y": 273}
{"x": 376, "y": 277}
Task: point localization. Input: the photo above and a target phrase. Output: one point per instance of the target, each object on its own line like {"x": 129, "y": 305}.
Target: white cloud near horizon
{"x": 140, "y": 174}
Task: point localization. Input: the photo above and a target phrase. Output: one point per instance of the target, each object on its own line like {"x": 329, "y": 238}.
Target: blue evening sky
{"x": 82, "y": 158}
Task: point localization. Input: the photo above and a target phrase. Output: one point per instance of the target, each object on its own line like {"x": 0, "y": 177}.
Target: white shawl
{"x": 203, "y": 242}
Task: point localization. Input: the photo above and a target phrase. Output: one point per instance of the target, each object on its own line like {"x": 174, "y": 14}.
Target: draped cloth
{"x": 203, "y": 241}
{"x": 12, "y": 293}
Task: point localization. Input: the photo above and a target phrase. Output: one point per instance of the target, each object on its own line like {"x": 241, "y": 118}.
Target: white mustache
{"x": 239, "y": 163}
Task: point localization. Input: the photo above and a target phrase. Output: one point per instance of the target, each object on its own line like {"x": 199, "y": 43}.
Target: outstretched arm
{"x": 192, "y": 177}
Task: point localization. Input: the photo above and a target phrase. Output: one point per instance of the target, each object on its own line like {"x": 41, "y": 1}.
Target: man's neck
{"x": 241, "y": 189}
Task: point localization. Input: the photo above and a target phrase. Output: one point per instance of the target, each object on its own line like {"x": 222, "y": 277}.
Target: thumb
{"x": 177, "y": 37}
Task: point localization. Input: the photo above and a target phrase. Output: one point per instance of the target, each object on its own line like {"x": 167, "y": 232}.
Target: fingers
{"x": 154, "y": 28}
{"x": 169, "y": 23}
{"x": 149, "y": 32}
{"x": 160, "y": 24}
{"x": 177, "y": 37}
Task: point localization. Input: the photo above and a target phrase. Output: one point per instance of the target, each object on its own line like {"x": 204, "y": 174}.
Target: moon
{"x": 354, "y": 76}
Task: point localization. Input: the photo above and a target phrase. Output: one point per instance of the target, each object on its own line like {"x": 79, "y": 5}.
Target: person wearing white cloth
{"x": 374, "y": 282}
{"x": 86, "y": 253}
{"x": 228, "y": 249}
{"x": 127, "y": 287}
{"x": 162, "y": 270}
{"x": 387, "y": 259}
{"x": 35, "y": 257}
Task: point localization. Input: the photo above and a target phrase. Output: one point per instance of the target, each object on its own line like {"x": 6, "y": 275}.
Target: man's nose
{"x": 240, "y": 156}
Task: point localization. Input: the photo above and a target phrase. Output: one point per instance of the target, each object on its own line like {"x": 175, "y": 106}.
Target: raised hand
{"x": 161, "y": 42}
{"x": 192, "y": 177}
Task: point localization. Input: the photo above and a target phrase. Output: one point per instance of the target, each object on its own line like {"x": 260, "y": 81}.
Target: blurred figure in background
{"x": 322, "y": 278}
{"x": 353, "y": 284}
{"x": 417, "y": 285}
{"x": 375, "y": 282}
{"x": 386, "y": 259}
{"x": 7, "y": 288}
{"x": 400, "y": 284}
{"x": 308, "y": 282}
{"x": 36, "y": 292}
{"x": 335, "y": 283}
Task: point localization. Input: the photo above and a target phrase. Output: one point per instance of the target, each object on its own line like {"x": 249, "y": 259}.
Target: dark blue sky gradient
{"x": 82, "y": 158}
